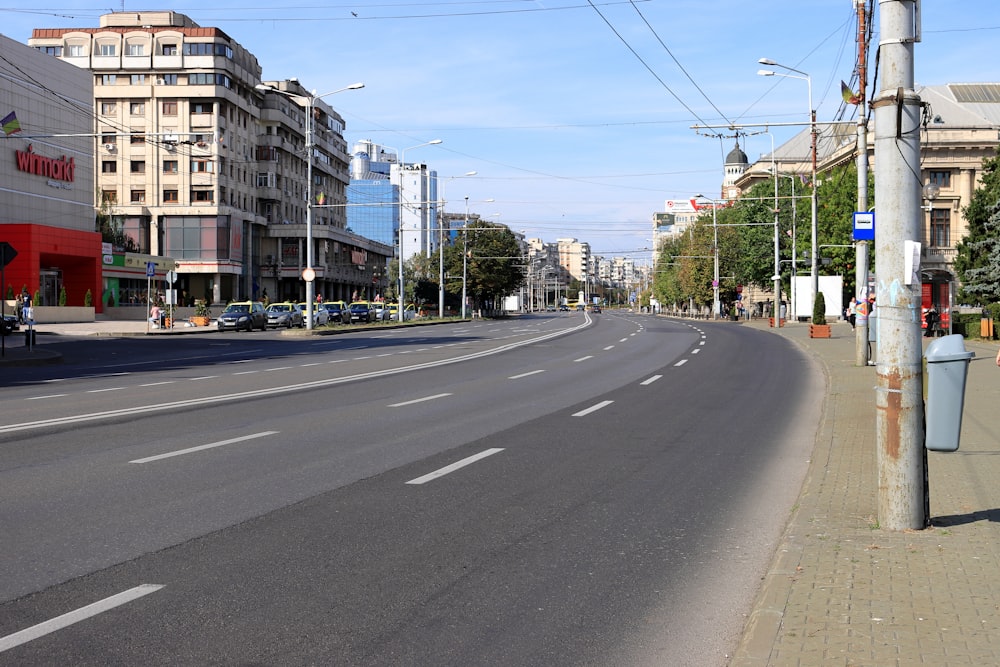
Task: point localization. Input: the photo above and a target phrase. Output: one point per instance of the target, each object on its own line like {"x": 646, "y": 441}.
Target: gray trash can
{"x": 947, "y": 368}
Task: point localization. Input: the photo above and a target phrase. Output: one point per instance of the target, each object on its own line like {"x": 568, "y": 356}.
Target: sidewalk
{"x": 842, "y": 591}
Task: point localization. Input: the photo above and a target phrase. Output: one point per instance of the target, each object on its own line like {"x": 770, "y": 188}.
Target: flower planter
{"x": 200, "y": 320}
{"x": 819, "y": 330}
{"x": 770, "y": 322}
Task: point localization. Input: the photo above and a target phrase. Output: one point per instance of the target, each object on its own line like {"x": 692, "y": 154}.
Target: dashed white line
{"x": 315, "y": 363}
{"x": 696, "y": 350}
{"x": 418, "y": 400}
{"x": 589, "y": 356}
{"x": 43, "y": 398}
{"x": 205, "y": 377}
{"x": 277, "y": 368}
{"x": 650, "y": 380}
{"x": 609, "y": 347}
{"x": 246, "y": 372}
{"x": 441, "y": 472}
{"x": 157, "y": 384}
{"x": 623, "y": 340}
{"x": 593, "y": 408}
{"x": 211, "y": 445}
{"x": 681, "y": 362}
{"x": 81, "y": 614}
{"x": 524, "y": 375}
{"x": 99, "y": 391}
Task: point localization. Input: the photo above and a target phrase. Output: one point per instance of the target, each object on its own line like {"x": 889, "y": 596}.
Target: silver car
{"x": 285, "y": 315}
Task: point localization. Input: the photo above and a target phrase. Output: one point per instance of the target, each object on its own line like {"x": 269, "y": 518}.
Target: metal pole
{"x": 309, "y": 273}
{"x": 777, "y": 243}
{"x": 465, "y": 254}
{"x": 861, "y": 247}
{"x": 899, "y": 376}
{"x": 715, "y": 269}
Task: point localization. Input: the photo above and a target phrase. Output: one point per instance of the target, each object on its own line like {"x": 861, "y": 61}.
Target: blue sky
{"x": 576, "y": 114}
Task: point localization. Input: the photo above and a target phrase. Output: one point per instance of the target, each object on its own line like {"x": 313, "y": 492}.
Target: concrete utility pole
{"x": 861, "y": 259}
{"x": 898, "y": 391}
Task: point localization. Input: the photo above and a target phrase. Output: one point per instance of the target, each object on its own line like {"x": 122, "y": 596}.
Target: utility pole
{"x": 901, "y": 457}
{"x": 861, "y": 259}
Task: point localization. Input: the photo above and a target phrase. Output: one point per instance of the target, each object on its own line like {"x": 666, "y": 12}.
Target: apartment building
{"x": 196, "y": 162}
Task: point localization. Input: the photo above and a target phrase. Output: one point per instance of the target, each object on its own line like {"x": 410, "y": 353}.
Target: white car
{"x": 320, "y": 315}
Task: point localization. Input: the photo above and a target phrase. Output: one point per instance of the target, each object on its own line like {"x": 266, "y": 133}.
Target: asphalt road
{"x": 557, "y": 489}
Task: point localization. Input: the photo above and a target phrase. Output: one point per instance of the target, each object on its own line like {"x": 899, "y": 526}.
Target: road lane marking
{"x": 701, "y": 342}
{"x": 589, "y": 356}
{"x": 623, "y": 340}
{"x": 681, "y": 362}
{"x": 593, "y": 408}
{"x": 211, "y": 445}
{"x": 609, "y": 347}
{"x": 246, "y": 372}
{"x": 696, "y": 350}
{"x": 441, "y": 472}
{"x": 651, "y": 380}
{"x": 277, "y": 368}
{"x": 81, "y": 614}
{"x": 157, "y": 384}
{"x": 98, "y": 391}
{"x": 524, "y": 375}
{"x": 205, "y": 377}
{"x": 418, "y": 400}
{"x": 42, "y": 398}
{"x": 315, "y": 363}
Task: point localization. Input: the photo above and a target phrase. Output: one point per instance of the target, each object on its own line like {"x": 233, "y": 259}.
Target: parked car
{"x": 10, "y": 325}
{"x": 362, "y": 311}
{"x": 335, "y": 310}
{"x": 320, "y": 316}
{"x": 408, "y": 313}
{"x": 383, "y": 311}
{"x": 247, "y": 315}
{"x": 285, "y": 315}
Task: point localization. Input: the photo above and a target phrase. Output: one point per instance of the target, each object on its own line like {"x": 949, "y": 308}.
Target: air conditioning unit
{"x": 159, "y": 82}
{"x": 109, "y": 148}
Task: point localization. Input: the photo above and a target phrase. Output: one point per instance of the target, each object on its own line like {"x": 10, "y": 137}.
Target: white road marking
{"x": 205, "y": 377}
{"x": 593, "y": 408}
{"x": 245, "y": 373}
{"x": 418, "y": 400}
{"x": 524, "y": 375}
{"x": 650, "y": 380}
{"x": 696, "y": 350}
{"x": 315, "y": 363}
{"x": 81, "y": 614}
{"x": 211, "y": 445}
{"x": 681, "y": 362}
{"x": 98, "y": 391}
{"x": 623, "y": 340}
{"x": 589, "y": 356}
{"x": 278, "y": 368}
{"x": 701, "y": 342}
{"x": 42, "y": 398}
{"x": 441, "y": 472}
{"x": 157, "y": 384}
{"x": 609, "y": 347}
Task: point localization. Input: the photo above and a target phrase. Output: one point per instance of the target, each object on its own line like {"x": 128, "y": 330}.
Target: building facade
{"x": 47, "y": 178}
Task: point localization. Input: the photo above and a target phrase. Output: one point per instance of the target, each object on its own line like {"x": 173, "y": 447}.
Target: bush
{"x": 819, "y": 309}
{"x": 62, "y": 296}
{"x": 88, "y": 299}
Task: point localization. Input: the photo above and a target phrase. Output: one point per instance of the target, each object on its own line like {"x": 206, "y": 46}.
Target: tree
{"x": 494, "y": 264}
{"x": 977, "y": 259}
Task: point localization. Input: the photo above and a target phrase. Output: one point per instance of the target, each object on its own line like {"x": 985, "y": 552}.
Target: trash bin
{"x": 947, "y": 368}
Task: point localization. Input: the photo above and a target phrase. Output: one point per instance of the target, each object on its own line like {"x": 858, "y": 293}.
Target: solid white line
{"x": 81, "y": 614}
{"x": 211, "y": 445}
{"x": 609, "y": 347}
{"x": 650, "y": 380}
{"x": 455, "y": 466}
{"x": 681, "y": 362}
{"x": 418, "y": 400}
{"x": 593, "y": 408}
{"x": 589, "y": 356}
{"x": 42, "y": 398}
{"x": 524, "y": 375}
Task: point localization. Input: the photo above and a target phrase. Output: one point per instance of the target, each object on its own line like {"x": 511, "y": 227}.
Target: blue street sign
{"x": 150, "y": 269}
{"x": 864, "y": 226}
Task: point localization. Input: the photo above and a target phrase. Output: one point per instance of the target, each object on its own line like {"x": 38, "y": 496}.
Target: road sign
{"x": 150, "y": 269}
{"x": 864, "y": 226}
{"x": 171, "y": 277}
{"x": 7, "y": 253}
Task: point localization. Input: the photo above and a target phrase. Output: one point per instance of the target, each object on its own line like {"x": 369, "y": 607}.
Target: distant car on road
{"x": 595, "y": 309}
{"x": 335, "y": 310}
{"x": 564, "y": 308}
{"x": 247, "y": 315}
{"x": 362, "y": 311}
{"x": 284, "y": 315}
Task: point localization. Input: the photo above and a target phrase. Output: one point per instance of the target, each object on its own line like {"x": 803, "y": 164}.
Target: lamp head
{"x": 765, "y": 72}
{"x": 355, "y": 86}
{"x": 434, "y": 142}
{"x": 767, "y": 61}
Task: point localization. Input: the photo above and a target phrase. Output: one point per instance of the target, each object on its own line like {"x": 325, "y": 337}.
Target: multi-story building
{"x": 47, "y": 198}
{"x": 197, "y": 163}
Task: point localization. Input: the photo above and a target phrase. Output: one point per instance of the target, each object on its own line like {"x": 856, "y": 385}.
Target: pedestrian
{"x": 852, "y": 313}
{"x": 998, "y": 358}
{"x": 154, "y": 316}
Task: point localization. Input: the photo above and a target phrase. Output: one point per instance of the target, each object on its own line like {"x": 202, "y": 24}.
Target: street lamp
{"x": 402, "y": 166}
{"x": 444, "y": 204}
{"x": 308, "y": 274}
{"x": 814, "y": 273}
{"x": 715, "y": 256}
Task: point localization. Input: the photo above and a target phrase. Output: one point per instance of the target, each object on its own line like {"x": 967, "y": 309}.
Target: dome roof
{"x": 737, "y": 156}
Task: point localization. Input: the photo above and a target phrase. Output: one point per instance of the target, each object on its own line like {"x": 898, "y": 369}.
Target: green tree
{"x": 977, "y": 260}
{"x": 494, "y": 262}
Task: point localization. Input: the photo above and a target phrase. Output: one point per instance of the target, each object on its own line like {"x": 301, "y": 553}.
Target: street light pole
{"x": 308, "y": 273}
{"x": 814, "y": 254}
{"x": 402, "y": 167}
{"x": 715, "y": 257}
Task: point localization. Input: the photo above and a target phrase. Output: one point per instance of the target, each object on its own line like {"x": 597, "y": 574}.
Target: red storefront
{"x": 51, "y": 258}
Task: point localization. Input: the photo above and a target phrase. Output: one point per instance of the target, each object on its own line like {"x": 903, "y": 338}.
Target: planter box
{"x": 63, "y": 314}
{"x": 770, "y": 322}
{"x": 819, "y": 330}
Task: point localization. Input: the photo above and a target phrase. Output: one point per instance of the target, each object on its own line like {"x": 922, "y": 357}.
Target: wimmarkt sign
{"x": 31, "y": 162}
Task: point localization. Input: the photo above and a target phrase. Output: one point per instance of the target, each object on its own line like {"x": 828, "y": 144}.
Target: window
{"x": 74, "y": 50}
{"x": 107, "y": 108}
{"x": 137, "y": 79}
{"x": 109, "y": 167}
{"x": 108, "y": 79}
{"x": 109, "y": 139}
{"x": 109, "y": 196}
{"x": 134, "y": 49}
{"x": 202, "y": 166}
{"x": 202, "y": 196}
{"x": 138, "y": 197}
{"x": 200, "y": 79}
{"x": 197, "y": 49}
{"x": 940, "y": 228}
{"x": 137, "y": 167}
{"x": 169, "y": 49}
{"x": 265, "y": 180}
{"x": 940, "y": 178}
{"x": 137, "y": 108}
{"x": 56, "y": 51}
{"x": 106, "y": 50}
{"x": 170, "y": 197}
{"x": 169, "y": 79}
{"x": 169, "y": 107}
{"x": 137, "y": 138}
{"x": 198, "y": 237}
{"x": 202, "y": 107}
{"x": 170, "y": 166}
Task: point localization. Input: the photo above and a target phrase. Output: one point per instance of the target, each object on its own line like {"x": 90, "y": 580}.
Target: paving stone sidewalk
{"x": 843, "y": 591}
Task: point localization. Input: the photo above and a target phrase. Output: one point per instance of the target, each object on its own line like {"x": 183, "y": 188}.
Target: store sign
{"x": 58, "y": 170}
